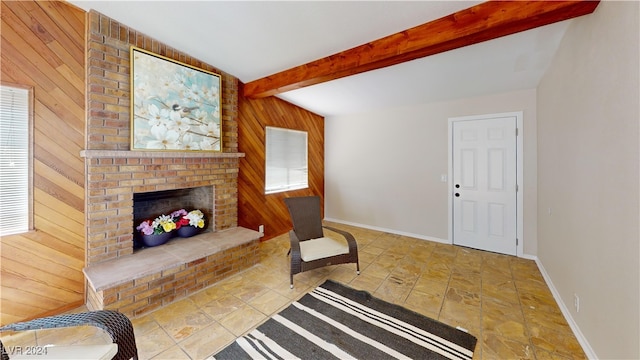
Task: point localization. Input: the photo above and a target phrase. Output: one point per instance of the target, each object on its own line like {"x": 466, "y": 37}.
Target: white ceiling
{"x": 254, "y": 39}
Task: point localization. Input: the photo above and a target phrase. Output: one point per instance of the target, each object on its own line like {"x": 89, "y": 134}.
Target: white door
{"x": 484, "y": 184}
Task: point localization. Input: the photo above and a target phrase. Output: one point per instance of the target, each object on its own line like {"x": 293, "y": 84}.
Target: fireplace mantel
{"x": 95, "y": 154}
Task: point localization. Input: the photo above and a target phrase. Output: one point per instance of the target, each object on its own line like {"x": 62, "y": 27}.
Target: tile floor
{"x": 500, "y": 299}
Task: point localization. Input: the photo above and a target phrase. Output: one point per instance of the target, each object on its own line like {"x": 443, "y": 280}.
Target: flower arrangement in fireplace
{"x": 164, "y": 227}
{"x": 161, "y": 224}
{"x": 193, "y": 218}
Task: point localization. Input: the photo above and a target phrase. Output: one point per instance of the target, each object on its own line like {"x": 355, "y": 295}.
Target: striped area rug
{"x": 337, "y": 322}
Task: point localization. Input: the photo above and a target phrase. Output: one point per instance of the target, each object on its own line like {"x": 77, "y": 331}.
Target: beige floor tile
{"x": 394, "y": 290}
{"x": 270, "y": 278}
{"x": 182, "y": 327}
{"x": 467, "y": 282}
{"x": 389, "y": 259}
{"x": 462, "y": 309}
{"x": 366, "y": 282}
{"x": 223, "y": 306}
{"x": 501, "y": 290}
{"x": 173, "y": 353}
{"x": 378, "y": 270}
{"x": 178, "y": 309}
{"x": 299, "y": 288}
{"x": 506, "y": 327}
{"x": 497, "y": 347}
{"x": 248, "y": 291}
{"x": 462, "y": 297}
{"x": 153, "y": 343}
{"x": 555, "y": 340}
{"x": 424, "y": 303}
{"x": 408, "y": 270}
{"x": 269, "y": 302}
{"x": 208, "y": 295}
{"x": 546, "y": 355}
{"x": 437, "y": 271}
{"x": 431, "y": 286}
{"x": 242, "y": 320}
{"x": 502, "y": 309}
{"x": 344, "y": 273}
{"x": 144, "y": 324}
{"x": 366, "y": 259}
{"x": 371, "y": 250}
{"x": 314, "y": 277}
{"x": 446, "y": 249}
{"x": 207, "y": 341}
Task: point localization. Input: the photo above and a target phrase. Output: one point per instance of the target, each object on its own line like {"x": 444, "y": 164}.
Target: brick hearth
{"x": 149, "y": 279}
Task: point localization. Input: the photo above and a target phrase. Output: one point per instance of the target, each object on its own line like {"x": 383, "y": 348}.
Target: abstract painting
{"x": 174, "y": 106}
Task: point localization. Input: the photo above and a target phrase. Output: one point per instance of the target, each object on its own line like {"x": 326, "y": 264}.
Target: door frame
{"x": 519, "y": 173}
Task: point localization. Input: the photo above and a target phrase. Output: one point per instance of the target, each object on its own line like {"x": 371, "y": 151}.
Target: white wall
{"x": 382, "y": 169}
{"x": 588, "y": 166}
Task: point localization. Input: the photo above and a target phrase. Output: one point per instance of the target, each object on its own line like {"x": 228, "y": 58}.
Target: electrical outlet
{"x": 261, "y": 228}
{"x": 576, "y": 302}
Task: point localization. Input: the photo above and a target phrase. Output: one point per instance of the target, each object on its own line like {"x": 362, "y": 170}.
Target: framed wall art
{"x": 174, "y": 106}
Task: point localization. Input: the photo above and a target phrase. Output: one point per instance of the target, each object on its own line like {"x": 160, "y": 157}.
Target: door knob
{"x": 457, "y": 194}
{"x": 457, "y": 186}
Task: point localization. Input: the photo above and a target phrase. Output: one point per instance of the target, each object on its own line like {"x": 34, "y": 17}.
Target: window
{"x": 15, "y": 159}
{"x": 286, "y": 167}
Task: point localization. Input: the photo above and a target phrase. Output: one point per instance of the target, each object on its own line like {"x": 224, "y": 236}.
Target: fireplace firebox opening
{"x": 149, "y": 205}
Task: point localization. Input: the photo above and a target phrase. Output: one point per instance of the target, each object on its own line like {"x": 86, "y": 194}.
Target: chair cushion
{"x": 323, "y": 247}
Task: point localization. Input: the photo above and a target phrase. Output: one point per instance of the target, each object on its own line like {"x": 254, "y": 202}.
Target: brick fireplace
{"x": 114, "y": 174}
{"x": 138, "y": 281}
{"x": 114, "y": 177}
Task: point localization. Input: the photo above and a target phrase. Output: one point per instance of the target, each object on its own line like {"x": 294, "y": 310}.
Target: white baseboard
{"x": 529, "y": 257}
{"x": 391, "y": 231}
{"x": 586, "y": 347}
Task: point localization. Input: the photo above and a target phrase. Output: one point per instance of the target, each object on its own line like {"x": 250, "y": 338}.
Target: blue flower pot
{"x": 155, "y": 239}
{"x": 187, "y": 231}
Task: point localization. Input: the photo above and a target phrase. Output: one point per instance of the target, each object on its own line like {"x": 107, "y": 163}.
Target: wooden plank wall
{"x": 43, "y": 46}
{"x": 254, "y": 207}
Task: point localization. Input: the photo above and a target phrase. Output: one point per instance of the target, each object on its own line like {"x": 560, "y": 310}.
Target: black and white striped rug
{"x": 337, "y": 322}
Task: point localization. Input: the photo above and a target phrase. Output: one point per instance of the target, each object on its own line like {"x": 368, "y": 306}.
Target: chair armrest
{"x": 294, "y": 243}
{"x": 353, "y": 245}
{"x": 296, "y": 254}
{"x": 116, "y": 324}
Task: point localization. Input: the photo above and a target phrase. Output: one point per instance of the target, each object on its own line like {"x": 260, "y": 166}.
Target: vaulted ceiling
{"x": 335, "y": 57}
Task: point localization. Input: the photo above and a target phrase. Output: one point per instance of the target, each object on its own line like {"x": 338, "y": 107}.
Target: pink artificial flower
{"x": 179, "y": 213}
{"x": 145, "y": 227}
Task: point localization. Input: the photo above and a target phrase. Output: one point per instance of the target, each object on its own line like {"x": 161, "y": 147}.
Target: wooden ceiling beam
{"x": 485, "y": 21}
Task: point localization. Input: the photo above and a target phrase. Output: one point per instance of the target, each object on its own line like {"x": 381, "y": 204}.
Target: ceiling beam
{"x": 485, "y": 21}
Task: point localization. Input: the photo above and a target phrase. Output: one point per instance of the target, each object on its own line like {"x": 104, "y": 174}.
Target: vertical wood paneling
{"x": 43, "y": 47}
{"x": 255, "y": 208}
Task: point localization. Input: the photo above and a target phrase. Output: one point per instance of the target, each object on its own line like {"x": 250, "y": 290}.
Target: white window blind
{"x": 14, "y": 160}
{"x": 286, "y": 164}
